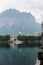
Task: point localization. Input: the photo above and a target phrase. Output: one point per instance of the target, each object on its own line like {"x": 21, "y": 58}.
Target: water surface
{"x": 18, "y": 56}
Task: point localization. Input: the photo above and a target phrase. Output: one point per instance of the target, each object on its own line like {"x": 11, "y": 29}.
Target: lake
{"x": 18, "y": 56}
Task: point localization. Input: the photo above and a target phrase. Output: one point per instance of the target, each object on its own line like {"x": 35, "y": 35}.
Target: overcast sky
{"x": 33, "y": 6}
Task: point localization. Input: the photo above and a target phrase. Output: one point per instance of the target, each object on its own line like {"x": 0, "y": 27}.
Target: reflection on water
{"x": 37, "y": 62}
{"x": 17, "y": 56}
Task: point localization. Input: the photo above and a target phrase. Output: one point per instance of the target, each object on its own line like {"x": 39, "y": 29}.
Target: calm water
{"x": 16, "y": 56}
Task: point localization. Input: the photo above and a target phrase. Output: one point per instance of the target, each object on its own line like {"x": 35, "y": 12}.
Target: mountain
{"x": 12, "y": 22}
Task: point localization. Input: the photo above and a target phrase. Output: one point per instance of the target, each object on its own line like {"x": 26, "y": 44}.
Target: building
{"x": 12, "y": 41}
{"x": 42, "y": 27}
{"x": 41, "y": 32}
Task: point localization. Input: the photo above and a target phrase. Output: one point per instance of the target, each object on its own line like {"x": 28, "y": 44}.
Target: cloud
{"x": 34, "y": 6}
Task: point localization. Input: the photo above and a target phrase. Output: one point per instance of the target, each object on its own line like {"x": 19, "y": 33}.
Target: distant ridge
{"x": 12, "y": 22}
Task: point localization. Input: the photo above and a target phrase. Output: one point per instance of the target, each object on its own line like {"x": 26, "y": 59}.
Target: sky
{"x": 33, "y": 6}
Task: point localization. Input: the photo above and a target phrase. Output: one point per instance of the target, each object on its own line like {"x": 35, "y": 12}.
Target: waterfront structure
{"x": 42, "y": 27}
{"x": 12, "y": 41}
{"x": 42, "y": 33}
{"x": 40, "y": 53}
